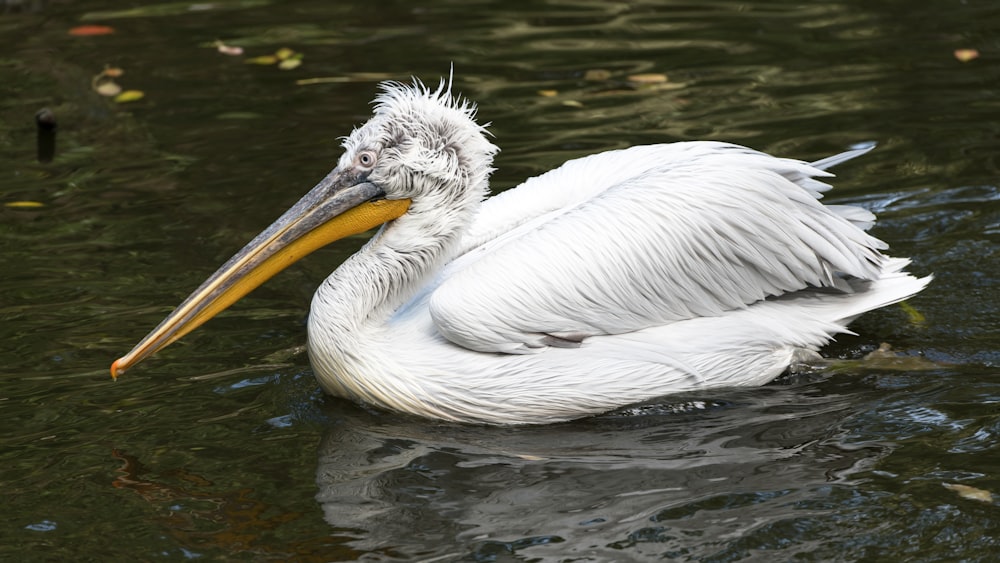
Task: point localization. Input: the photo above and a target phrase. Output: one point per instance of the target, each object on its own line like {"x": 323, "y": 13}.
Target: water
{"x": 223, "y": 447}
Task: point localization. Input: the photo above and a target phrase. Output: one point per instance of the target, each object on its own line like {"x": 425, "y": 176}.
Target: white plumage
{"x": 616, "y": 278}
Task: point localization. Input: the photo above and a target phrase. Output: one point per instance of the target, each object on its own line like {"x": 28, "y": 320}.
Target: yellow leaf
{"x": 548, "y": 93}
{"x": 597, "y": 74}
{"x": 284, "y": 53}
{"x": 289, "y": 64}
{"x": 573, "y": 104}
{"x": 263, "y": 60}
{"x": 24, "y": 204}
{"x": 916, "y": 317}
{"x": 129, "y": 96}
{"x": 971, "y": 493}
{"x": 966, "y": 55}
{"x": 649, "y": 78}
{"x": 108, "y": 88}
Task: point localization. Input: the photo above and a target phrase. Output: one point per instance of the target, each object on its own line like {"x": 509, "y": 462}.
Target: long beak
{"x": 339, "y": 206}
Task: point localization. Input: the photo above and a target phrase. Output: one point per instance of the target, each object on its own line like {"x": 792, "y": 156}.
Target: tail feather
{"x": 860, "y": 217}
{"x": 831, "y": 161}
{"x": 893, "y": 285}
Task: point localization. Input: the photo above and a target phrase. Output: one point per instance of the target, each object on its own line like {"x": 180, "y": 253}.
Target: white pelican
{"x": 613, "y": 279}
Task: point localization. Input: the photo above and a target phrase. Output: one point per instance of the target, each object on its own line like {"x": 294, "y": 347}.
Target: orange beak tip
{"x": 115, "y": 370}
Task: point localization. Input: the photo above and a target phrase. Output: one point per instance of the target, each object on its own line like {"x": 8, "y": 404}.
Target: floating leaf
{"x": 966, "y": 55}
{"x": 238, "y": 115}
{"x": 230, "y": 50}
{"x": 971, "y": 493}
{"x": 573, "y": 104}
{"x": 354, "y": 77}
{"x": 649, "y": 78}
{"x": 548, "y": 93}
{"x": 89, "y": 30}
{"x": 263, "y": 60}
{"x": 284, "y": 53}
{"x": 289, "y": 64}
{"x": 108, "y": 88}
{"x": 112, "y": 72}
{"x": 24, "y": 204}
{"x": 130, "y": 96}
{"x": 885, "y": 358}
{"x": 916, "y": 317}
{"x": 597, "y": 75}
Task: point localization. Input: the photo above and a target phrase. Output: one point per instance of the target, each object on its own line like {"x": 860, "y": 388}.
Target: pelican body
{"x": 613, "y": 279}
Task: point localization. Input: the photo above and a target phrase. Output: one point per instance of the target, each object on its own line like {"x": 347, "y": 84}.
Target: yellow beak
{"x": 341, "y": 205}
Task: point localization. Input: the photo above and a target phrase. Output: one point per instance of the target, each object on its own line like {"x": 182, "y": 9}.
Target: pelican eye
{"x": 366, "y": 159}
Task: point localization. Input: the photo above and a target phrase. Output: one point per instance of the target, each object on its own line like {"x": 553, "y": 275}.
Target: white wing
{"x": 626, "y": 240}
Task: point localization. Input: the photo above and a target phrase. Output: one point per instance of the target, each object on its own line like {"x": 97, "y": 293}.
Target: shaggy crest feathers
{"x": 395, "y": 96}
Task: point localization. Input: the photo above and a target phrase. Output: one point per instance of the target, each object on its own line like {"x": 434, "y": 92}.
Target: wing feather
{"x": 630, "y": 239}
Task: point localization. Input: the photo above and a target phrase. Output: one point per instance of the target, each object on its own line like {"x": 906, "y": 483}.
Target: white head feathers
{"x": 426, "y": 140}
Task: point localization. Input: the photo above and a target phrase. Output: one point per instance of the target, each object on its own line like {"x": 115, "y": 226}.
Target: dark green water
{"x": 222, "y": 447}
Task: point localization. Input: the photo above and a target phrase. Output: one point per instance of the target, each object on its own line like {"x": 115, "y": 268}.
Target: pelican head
{"x": 421, "y": 153}
{"x": 423, "y": 145}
